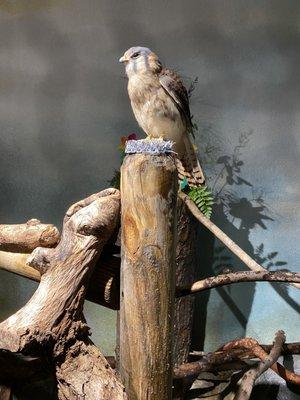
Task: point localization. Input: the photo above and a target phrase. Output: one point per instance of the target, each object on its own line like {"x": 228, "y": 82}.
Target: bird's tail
{"x": 188, "y": 165}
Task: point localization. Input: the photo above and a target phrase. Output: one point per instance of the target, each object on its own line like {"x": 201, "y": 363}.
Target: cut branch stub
{"x": 23, "y": 238}
{"x": 52, "y": 322}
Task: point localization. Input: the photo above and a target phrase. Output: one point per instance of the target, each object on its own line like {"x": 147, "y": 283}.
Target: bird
{"x": 160, "y": 104}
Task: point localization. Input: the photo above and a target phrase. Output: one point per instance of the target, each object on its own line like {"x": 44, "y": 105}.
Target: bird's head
{"x": 140, "y": 60}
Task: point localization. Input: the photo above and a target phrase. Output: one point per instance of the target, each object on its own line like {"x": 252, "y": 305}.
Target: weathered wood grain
{"x": 148, "y": 195}
{"x": 51, "y": 326}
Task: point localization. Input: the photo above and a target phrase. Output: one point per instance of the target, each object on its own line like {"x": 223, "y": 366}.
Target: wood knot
{"x": 131, "y": 235}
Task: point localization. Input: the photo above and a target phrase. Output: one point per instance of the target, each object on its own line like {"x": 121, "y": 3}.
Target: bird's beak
{"x": 123, "y": 59}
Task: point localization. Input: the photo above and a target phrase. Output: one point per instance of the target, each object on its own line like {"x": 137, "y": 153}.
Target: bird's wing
{"x": 174, "y": 87}
{"x": 187, "y": 163}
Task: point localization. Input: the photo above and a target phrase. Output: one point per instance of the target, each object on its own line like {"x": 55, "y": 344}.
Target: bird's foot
{"x": 149, "y": 137}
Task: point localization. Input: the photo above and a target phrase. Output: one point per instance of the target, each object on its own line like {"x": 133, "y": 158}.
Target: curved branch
{"x": 287, "y": 348}
{"x": 231, "y": 356}
{"x": 236, "y": 277}
{"x": 253, "y": 346}
{"x": 250, "y": 376}
{"x": 240, "y": 253}
{"x": 242, "y": 353}
{"x": 193, "y": 369}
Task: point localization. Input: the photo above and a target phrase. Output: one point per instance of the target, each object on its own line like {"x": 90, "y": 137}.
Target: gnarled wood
{"x": 51, "y": 325}
{"x": 23, "y": 238}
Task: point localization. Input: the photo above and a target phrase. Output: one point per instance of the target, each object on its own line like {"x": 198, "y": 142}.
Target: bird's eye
{"x": 135, "y": 55}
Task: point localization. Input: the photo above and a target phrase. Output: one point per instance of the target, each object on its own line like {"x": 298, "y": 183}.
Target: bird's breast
{"x": 155, "y": 111}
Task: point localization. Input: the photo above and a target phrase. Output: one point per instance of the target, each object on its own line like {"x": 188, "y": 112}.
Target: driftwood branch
{"x": 240, "y": 253}
{"x": 193, "y": 369}
{"x": 51, "y": 326}
{"x": 104, "y": 288}
{"x": 23, "y": 238}
{"x": 235, "y": 277}
{"x": 244, "y": 353}
{"x": 16, "y": 263}
{"x": 104, "y": 285}
{"x": 254, "y": 347}
{"x": 233, "y": 356}
{"x": 287, "y": 348}
{"x": 249, "y": 378}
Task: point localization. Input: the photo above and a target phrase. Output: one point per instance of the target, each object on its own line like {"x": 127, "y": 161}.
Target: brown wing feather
{"x": 188, "y": 165}
{"x": 174, "y": 87}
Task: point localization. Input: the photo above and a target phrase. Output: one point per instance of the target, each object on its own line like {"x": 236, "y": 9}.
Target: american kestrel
{"x": 160, "y": 104}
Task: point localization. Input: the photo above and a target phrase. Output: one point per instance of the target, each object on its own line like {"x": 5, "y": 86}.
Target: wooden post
{"x": 148, "y": 198}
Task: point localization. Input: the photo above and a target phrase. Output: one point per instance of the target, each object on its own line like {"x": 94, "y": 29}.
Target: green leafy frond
{"x": 203, "y": 198}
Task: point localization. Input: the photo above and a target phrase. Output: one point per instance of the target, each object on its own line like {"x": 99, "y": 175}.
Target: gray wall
{"x": 63, "y": 107}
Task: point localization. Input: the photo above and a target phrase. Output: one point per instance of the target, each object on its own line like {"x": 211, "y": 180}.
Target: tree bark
{"x": 185, "y": 277}
{"x": 148, "y": 194}
{"x": 186, "y": 261}
{"x": 51, "y": 326}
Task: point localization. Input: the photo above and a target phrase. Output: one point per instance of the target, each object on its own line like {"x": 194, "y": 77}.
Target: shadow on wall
{"x": 237, "y": 215}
